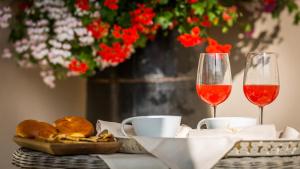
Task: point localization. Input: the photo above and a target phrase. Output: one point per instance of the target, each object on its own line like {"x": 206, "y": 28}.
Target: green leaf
{"x": 108, "y": 15}
{"x": 164, "y": 19}
{"x": 124, "y": 19}
{"x": 297, "y": 18}
{"x": 141, "y": 42}
{"x": 179, "y": 11}
{"x": 182, "y": 29}
{"x": 18, "y": 32}
{"x": 211, "y": 16}
{"x": 248, "y": 27}
{"x": 230, "y": 22}
{"x": 163, "y": 2}
{"x": 291, "y": 5}
{"x": 86, "y": 20}
{"x": 219, "y": 10}
{"x": 199, "y": 8}
{"x": 211, "y": 4}
{"x": 86, "y": 56}
{"x": 225, "y": 29}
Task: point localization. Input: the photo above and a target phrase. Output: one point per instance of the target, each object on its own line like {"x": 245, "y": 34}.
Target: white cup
{"x": 153, "y": 126}
{"x": 227, "y": 122}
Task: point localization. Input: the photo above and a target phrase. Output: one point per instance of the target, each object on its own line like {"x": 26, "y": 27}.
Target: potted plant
{"x": 143, "y": 52}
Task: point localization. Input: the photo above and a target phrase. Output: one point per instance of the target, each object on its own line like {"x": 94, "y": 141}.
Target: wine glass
{"x": 261, "y": 79}
{"x": 213, "y": 78}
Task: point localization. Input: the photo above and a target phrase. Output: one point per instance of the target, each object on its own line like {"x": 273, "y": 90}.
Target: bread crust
{"x": 74, "y": 126}
{"x": 36, "y": 130}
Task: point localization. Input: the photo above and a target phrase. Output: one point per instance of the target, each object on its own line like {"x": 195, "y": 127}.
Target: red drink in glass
{"x": 213, "y": 83}
{"x": 261, "y": 95}
{"x": 261, "y": 79}
{"x": 213, "y": 94}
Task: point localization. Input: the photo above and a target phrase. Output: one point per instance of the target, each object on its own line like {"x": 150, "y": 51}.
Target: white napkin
{"x": 132, "y": 161}
{"x": 188, "y": 153}
{"x": 194, "y": 149}
{"x": 289, "y": 134}
{"x": 127, "y": 161}
{"x": 261, "y": 132}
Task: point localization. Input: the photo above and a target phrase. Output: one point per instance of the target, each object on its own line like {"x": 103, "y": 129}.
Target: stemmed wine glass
{"x": 213, "y": 78}
{"x": 261, "y": 79}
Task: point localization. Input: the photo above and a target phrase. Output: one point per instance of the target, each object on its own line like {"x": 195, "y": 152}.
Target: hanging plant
{"x": 76, "y": 37}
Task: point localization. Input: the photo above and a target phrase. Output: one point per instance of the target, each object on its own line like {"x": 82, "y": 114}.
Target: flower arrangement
{"x": 76, "y": 37}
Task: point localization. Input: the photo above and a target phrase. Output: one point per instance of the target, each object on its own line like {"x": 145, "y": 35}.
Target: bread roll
{"x": 74, "y": 126}
{"x": 36, "y": 130}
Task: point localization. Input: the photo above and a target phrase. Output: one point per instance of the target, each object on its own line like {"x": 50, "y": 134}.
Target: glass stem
{"x": 261, "y": 120}
{"x": 215, "y": 111}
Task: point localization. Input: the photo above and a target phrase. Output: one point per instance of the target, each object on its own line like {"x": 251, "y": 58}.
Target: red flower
{"x": 142, "y": 17}
{"x": 212, "y": 42}
{"x": 111, "y": 4}
{"x": 188, "y": 40}
{"x": 83, "y": 4}
{"x": 117, "y": 31}
{"x": 98, "y": 28}
{"x": 192, "y": 20}
{"x": 195, "y": 31}
{"x": 114, "y": 54}
{"x": 192, "y": 1}
{"x": 157, "y": 26}
{"x": 215, "y": 47}
{"x": 128, "y": 35}
{"x": 78, "y": 67}
{"x": 205, "y": 22}
{"x": 192, "y": 39}
{"x": 226, "y": 17}
{"x": 232, "y": 9}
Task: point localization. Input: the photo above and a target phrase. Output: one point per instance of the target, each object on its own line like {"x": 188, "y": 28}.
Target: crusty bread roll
{"x": 37, "y": 130}
{"x": 74, "y": 126}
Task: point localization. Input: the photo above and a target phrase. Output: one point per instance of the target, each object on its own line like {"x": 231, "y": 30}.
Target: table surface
{"x": 25, "y": 158}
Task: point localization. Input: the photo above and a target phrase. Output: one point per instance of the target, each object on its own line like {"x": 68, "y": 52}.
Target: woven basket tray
{"x": 29, "y": 159}
{"x": 241, "y": 149}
